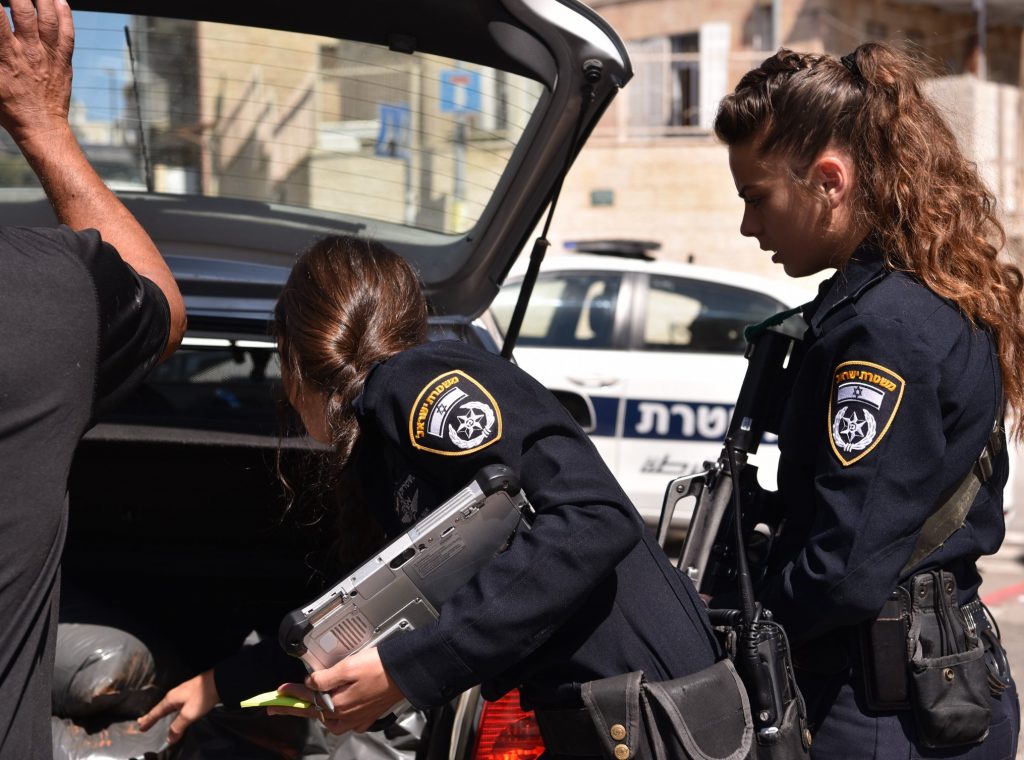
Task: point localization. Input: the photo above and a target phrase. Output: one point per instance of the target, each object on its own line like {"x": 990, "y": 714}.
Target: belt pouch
{"x": 949, "y": 678}
{"x": 703, "y": 716}
{"x": 883, "y": 655}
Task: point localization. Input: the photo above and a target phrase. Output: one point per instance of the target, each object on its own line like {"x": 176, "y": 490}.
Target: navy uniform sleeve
{"x": 877, "y": 451}
{"x": 134, "y": 320}
{"x": 584, "y": 527}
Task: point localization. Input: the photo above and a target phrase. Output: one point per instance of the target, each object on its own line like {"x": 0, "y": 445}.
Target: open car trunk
{"x": 237, "y": 134}
{"x": 183, "y": 543}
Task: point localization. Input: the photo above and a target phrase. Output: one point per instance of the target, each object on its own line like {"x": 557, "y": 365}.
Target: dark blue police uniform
{"x": 586, "y": 594}
{"x": 894, "y": 401}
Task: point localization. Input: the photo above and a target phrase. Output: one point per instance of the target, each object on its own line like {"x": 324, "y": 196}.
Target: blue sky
{"x": 100, "y": 63}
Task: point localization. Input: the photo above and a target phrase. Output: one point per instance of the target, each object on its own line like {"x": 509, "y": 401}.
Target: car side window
{"x": 567, "y": 310}
{"x": 698, "y": 316}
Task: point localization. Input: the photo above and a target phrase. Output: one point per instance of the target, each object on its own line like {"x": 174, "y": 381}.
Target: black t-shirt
{"x": 78, "y": 330}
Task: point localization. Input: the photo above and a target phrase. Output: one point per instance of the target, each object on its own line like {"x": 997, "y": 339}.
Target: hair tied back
{"x": 850, "y": 62}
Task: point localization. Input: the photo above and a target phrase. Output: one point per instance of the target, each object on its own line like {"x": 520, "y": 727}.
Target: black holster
{"x": 884, "y": 656}
{"x": 948, "y": 676}
{"x": 703, "y": 716}
{"x": 698, "y": 717}
{"x": 923, "y": 653}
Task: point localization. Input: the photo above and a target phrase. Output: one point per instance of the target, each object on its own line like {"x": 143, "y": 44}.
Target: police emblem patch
{"x": 454, "y": 415}
{"x": 862, "y": 405}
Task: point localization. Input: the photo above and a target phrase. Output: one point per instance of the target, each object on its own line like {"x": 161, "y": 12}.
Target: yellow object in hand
{"x": 273, "y": 698}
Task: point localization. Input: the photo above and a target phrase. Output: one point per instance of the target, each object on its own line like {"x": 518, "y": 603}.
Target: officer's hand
{"x": 360, "y": 688}
{"x": 191, "y": 700}
{"x": 35, "y": 68}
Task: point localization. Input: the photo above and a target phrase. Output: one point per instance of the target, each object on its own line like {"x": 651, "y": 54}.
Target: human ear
{"x": 834, "y": 175}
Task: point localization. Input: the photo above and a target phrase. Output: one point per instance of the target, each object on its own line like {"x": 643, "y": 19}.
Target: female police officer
{"x": 912, "y": 348}
{"x": 586, "y": 593}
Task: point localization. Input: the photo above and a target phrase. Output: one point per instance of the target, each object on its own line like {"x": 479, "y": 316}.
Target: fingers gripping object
{"x": 405, "y": 585}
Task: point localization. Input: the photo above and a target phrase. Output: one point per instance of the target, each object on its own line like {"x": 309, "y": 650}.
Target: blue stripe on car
{"x": 661, "y": 419}
{"x": 606, "y": 413}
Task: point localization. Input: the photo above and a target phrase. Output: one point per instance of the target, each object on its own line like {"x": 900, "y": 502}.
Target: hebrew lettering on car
{"x": 668, "y": 419}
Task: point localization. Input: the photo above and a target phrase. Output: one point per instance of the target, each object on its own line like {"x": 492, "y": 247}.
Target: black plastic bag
{"x": 102, "y": 671}
{"x": 118, "y": 740}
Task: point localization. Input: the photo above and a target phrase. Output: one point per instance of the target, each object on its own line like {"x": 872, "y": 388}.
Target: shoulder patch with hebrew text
{"x": 454, "y": 415}
{"x": 863, "y": 402}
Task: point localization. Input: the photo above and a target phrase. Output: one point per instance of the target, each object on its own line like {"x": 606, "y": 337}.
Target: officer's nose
{"x": 750, "y": 226}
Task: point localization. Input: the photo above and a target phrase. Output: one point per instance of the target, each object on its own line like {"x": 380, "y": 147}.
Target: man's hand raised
{"x": 35, "y": 68}
{"x": 35, "y": 95}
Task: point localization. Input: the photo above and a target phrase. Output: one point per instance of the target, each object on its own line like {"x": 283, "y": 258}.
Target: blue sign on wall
{"x": 394, "y": 137}
{"x": 460, "y": 91}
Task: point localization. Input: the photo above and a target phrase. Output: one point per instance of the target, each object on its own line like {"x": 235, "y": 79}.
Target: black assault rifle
{"x": 716, "y": 553}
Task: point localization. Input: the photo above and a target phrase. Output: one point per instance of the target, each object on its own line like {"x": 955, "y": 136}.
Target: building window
{"x": 685, "y": 81}
{"x": 757, "y": 31}
{"x": 665, "y": 94}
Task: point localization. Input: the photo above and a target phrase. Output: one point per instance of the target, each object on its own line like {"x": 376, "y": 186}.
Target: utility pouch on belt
{"x": 949, "y": 687}
{"x": 703, "y": 716}
{"x": 883, "y": 655}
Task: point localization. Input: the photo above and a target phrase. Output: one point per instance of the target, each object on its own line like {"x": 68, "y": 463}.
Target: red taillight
{"x": 507, "y": 732}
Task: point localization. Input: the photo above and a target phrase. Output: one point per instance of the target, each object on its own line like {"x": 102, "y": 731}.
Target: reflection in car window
{"x": 693, "y": 315}
{"x": 232, "y": 387}
{"x": 568, "y": 310}
{"x": 223, "y": 110}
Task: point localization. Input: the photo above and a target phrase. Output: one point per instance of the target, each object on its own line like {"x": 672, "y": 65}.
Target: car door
{"x": 686, "y": 365}
{"x": 572, "y": 340}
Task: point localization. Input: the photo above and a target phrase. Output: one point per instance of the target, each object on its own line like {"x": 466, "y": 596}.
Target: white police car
{"x": 648, "y": 355}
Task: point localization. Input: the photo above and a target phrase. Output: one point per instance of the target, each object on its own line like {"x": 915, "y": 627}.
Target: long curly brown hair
{"x": 928, "y": 209}
{"x": 348, "y": 303}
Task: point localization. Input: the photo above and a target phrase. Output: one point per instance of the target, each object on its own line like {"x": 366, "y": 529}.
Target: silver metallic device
{"x": 405, "y": 585}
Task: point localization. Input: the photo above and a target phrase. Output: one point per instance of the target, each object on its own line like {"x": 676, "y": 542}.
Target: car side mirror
{"x": 580, "y": 407}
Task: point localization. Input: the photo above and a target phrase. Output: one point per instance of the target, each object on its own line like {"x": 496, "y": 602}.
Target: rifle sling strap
{"x": 949, "y": 516}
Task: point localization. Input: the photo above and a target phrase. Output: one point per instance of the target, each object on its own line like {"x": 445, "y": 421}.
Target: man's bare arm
{"x": 35, "y": 93}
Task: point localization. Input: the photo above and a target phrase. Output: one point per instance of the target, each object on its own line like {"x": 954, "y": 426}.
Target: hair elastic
{"x": 850, "y": 62}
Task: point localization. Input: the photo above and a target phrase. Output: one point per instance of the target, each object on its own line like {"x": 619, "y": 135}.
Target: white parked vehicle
{"x": 648, "y": 355}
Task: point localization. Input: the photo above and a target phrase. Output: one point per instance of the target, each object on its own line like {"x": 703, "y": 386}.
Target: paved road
{"x": 1003, "y": 591}
{"x": 1002, "y": 586}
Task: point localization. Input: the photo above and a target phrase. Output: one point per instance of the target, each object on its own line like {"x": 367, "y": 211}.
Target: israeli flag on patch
{"x": 866, "y": 394}
{"x": 444, "y": 405}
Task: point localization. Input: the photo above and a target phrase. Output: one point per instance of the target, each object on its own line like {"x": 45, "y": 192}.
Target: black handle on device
{"x": 497, "y": 477}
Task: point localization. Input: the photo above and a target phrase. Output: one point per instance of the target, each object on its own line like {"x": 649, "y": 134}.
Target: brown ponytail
{"x": 928, "y": 209}
{"x": 348, "y": 304}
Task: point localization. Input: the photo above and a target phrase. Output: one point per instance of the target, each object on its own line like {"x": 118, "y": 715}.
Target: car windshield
{"x": 218, "y": 110}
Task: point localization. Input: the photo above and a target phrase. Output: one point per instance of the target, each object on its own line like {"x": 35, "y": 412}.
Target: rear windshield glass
{"x": 213, "y": 384}
{"x": 186, "y": 107}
